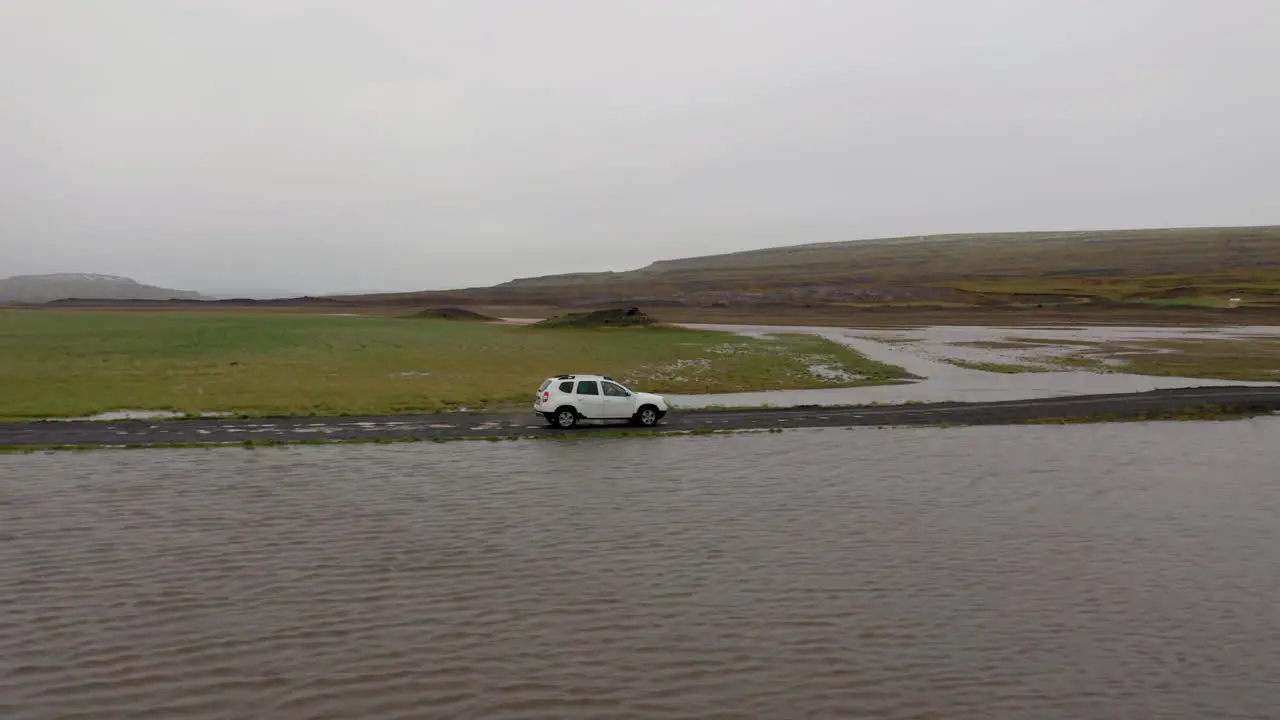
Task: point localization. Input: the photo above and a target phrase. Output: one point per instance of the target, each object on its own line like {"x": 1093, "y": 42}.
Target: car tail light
{"x": 546, "y": 396}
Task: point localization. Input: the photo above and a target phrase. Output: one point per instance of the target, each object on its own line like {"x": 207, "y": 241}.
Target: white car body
{"x": 563, "y": 400}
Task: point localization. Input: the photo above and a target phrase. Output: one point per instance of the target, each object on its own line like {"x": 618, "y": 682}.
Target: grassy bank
{"x": 1245, "y": 358}
{"x": 62, "y": 364}
{"x": 995, "y": 367}
{"x": 1252, "y": 359}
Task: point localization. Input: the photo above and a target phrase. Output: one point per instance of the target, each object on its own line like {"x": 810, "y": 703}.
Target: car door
{"x": 588, "y": 399}
{"x": 617, "y": 401}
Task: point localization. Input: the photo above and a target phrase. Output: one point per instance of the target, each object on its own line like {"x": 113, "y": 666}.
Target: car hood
{"x": 658, "y": 400}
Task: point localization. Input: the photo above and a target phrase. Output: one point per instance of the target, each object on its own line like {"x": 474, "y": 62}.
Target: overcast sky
{"x": 311, "y": 146}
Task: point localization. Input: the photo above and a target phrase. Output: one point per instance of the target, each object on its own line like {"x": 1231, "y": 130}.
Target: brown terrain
{"x": 1190, "y": 275}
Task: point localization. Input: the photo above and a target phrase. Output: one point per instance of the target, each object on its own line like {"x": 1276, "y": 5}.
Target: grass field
{"x": 995, "y": 367}
{"x": 65, "y": 364}
{"x": 1255, "y": 359}
{"x": 1245, "y": 358}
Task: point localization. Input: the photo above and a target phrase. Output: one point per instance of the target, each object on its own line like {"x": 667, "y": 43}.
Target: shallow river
{"x": 1099, "y": 571}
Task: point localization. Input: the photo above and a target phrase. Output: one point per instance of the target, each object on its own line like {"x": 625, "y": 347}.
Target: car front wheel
{"x": 647, "y": 416}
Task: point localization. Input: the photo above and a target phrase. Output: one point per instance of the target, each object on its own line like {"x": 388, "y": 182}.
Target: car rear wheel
{"x": 647, "y": 416}
{"x": 565, "y": 418}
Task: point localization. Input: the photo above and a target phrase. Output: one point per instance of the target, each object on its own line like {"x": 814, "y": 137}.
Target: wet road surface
{"x": 462, "y": 425}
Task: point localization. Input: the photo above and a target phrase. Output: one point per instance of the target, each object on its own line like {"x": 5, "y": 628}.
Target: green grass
{"x": 1083, "y": 363}
{"x": 1209, "y": 301}
{"x": 995, "y": 367}
{"x": 1254, "y": 359}
{"x": 62, "y": 364}
{"x": 805, "y": 351}
{"x": 616, "y": 317}
{"x": 1250, "y": 359}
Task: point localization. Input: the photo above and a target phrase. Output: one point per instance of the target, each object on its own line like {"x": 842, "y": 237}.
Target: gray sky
{"x": 312, "y": 146}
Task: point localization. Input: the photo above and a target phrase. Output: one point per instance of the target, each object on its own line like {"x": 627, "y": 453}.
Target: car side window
{"x": 613, "y": 390}
{"x": 566, "y": 387}
{"x": 588, "y": 387}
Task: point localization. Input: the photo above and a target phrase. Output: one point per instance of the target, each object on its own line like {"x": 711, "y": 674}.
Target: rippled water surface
{"x": 1100, "y": 571}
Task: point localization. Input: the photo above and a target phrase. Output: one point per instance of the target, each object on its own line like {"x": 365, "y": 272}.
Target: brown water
{"x": 1103, "y": 571}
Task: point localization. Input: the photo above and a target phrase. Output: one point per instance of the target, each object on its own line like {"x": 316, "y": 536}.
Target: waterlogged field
{"x": 1241, "y": 353}
{"x": 66, "y": 364}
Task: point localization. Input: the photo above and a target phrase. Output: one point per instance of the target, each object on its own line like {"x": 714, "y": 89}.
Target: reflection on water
{"x": 944, "y": 382}
{"x": 1016, "y": 572}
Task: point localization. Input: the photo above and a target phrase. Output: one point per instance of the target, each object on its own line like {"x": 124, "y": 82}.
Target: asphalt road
{"x": 467, "y": 425}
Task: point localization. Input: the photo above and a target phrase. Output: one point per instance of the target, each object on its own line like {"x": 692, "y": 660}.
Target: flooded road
{"x": 1093, "y": 571}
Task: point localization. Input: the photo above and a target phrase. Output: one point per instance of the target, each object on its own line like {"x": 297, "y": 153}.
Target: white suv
{"x": 565, "y": 399}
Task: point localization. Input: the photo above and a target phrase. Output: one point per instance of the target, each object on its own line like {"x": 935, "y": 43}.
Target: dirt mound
{"x": 618, "y": 317}
{"x": 452, "y": 313}
{"x": 1175, "y": 293}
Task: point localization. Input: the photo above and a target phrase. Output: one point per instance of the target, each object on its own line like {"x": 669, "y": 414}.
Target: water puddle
{"x": 832, "y": 374}
{"x": 115, "y": 415}
{"x": 925, "y": 352}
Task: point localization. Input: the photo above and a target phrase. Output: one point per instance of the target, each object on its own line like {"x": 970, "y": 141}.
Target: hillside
{"x": 87, "y": 286}
{"x": 1164, "y": 275}
{"x": 1188, "y": 266}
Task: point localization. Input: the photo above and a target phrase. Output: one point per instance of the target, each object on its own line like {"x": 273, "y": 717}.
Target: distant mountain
{"x": 254, "y": 294}
{"x": 88, "y": 286}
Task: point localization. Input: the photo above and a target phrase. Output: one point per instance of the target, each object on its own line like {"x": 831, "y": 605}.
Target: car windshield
{"x": 545, "y": 384}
